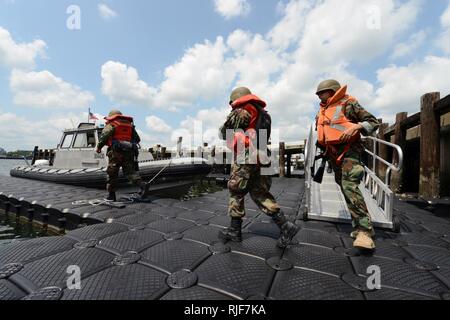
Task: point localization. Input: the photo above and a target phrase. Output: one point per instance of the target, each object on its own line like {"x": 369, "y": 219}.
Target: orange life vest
{"x": 332, "y": 122}
{"x": 245, "y": 138}
{"x": 123, "y": 128}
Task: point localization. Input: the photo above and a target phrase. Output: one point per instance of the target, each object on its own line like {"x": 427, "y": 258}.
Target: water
{"x": 7, "y": 165}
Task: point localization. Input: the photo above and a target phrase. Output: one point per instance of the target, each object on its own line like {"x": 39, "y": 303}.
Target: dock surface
{"x": 169, "y": 250}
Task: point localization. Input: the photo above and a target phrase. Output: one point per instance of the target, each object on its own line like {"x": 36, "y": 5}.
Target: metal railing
{"x": 378, "y": 190}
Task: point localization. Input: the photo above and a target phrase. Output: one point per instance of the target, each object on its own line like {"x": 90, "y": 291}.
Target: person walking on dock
{"x": 340, "y": 122}
{"x": 121, "y": 138}
{"x": 248, "y": 115}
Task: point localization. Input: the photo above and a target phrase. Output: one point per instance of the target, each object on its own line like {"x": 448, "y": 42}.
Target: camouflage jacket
{"x": 357, "y": 114}
{"x": 108, "y": 132}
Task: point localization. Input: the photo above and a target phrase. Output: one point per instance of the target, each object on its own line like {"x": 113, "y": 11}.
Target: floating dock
{"x": 169, "y": 250}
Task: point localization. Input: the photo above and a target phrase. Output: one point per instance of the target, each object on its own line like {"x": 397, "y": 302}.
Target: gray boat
{"x": 75, "y": 162}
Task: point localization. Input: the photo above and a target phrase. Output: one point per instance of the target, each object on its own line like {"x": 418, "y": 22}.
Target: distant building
{"x": 2, "y": 153}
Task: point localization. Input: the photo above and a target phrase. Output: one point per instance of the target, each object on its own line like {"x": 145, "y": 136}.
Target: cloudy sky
{"x": 173, "y": 63}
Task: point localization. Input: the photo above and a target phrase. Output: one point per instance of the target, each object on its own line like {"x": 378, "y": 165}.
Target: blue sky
{"x": 151, "y": 37}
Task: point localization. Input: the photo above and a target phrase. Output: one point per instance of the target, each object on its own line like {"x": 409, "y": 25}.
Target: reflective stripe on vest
{"x": 332, "y": 122}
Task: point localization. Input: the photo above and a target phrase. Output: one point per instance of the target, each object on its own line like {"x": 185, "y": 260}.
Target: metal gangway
{"x": 325, "y": 202}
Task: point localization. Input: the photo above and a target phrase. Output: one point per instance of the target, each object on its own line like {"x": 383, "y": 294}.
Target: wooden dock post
{"x": 429, "y": 183}
{"x": 282, "y": 160}
{"x": 288, "y": 164}
{"x": 399, "y": 139}
{"x": 382, "y": 152}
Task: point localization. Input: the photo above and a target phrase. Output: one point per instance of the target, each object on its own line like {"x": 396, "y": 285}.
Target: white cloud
{"x": 232, "y": 8}
{"x": 158, "y": 125}
{"x": 45, "y": 90}
{"x": 402, "y": 86}
{"x": 106, "y": 12}
{"x": 443, "y": 41}
{"x": 123, "y": 85}
{"x": 311, "y": 42}
{"x": 201, "y": 73}
{"x": 19, "y": 132}
{"x": 445, "y": 18}
{"x": 19, "y": 55}
{"x": 406, "y": 48}
{"x": 289, "y": 29}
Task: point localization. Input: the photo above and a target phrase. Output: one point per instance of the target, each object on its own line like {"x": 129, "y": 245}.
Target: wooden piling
{"x": 399, "y": 139}
{"x": 382, "y": 152}
{"x": 282, "y": 159}
{"x": 429, "y": 183}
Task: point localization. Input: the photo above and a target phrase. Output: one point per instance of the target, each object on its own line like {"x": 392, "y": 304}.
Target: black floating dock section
{"x": 169, "y": 249}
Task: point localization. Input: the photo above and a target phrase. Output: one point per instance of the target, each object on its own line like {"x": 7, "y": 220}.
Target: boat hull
{"x": 97, "y": 177}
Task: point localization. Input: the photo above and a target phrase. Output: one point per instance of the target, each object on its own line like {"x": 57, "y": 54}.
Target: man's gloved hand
{"x": 351, "y": 132}
{"x": 98, "y": 150}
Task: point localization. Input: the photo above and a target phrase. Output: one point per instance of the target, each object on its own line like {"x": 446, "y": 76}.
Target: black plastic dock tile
{"x": 170, "y": 225}
{"x": 265, "y": 229}
{"x": 139, "y": 219}
{"x": 317, "y": 225}
{"x": 222, "y": 221}
{"x": 262, "y": 247}
{"x": 97, "y": 231}
{"x": 131, "y": 240}
{"x": 392, "y": 294}
{"x": 438, "y": 256}
{"x": 421, "y": 239}
{"x": 176, "y": 255}
{"x": 442, "y": 228}
{"x": 387, "y": 248}
{"x": 25, "y": 251}
{"x": 194, "y": 293}
{"x": 317, "y": 237}
{"x": 236, "y": 274}
{"x": 205, "y": 234}
{"x": 9, "y": 292}
{"x": 318, "y": 258}
{"x": 297, "y": 284}
{"x": 195, "y": 215}
{"x": 52, "y": 271}
{"x": 401, "y": 275}
{"x": 131, "y": 282}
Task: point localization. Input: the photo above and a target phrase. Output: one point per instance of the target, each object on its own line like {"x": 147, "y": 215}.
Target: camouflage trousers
{"x": 126, "y": 162}
{"x": 246, "y": 179}
{"x": 349, "y": 176}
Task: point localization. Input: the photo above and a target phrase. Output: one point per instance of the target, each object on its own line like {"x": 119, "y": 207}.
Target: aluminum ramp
{"x": 325, "y": 202}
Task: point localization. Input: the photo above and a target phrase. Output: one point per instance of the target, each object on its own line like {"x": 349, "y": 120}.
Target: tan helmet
{"x": 114, "y": 112}
{"x": 329, "y": 84}
{"x": 239, "y": 93}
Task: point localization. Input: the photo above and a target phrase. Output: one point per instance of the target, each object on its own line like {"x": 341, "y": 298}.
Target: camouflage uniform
{"x": 246, "y": 178}
{"x": 350, "y": 174}
{"x": 119, "y": 159}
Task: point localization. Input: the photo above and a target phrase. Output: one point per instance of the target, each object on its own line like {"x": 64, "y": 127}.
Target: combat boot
{"x": 364, "y": 241}
{"x": 233, "y": 233}
{"x": 111, "y": 197}
{"x": 288, "y": 229}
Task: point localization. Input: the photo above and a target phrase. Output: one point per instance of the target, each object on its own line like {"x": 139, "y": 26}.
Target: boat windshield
{"x": 84, "y": 140}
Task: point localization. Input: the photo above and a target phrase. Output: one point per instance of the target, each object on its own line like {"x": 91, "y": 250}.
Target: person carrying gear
{"x": 246, "y": 177}
{"x": 340, "y": 122}
{"x": 121, "y": 138}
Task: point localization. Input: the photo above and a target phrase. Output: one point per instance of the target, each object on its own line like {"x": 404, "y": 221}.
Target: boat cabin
{"x": 77, "y": 149}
